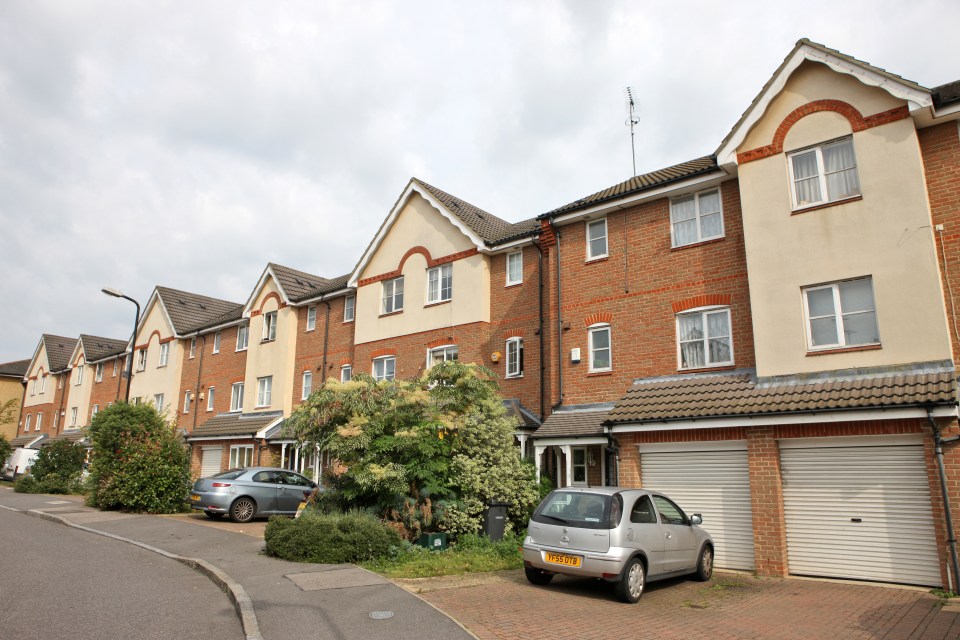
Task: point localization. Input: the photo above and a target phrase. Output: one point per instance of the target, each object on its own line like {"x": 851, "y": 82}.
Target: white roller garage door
{"x": 859, "y": 512}
{"x": 210, "y": 462}
{"x": 714, "y": 483}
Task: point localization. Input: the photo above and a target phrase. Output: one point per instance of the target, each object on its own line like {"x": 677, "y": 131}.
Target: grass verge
{"x": 470, "y": 554}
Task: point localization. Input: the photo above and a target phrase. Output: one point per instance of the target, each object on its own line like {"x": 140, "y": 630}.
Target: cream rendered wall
{"x": 154, "y": 379}
{"x": 886, "y": 235}
{"x": 275, "y": 358}
{"x": 420, "y": 224}
{"x": 78, "y": 395}
{"x": 40, "y": 366}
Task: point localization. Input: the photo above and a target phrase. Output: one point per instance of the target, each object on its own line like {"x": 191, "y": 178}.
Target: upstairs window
{"x": 841, "y": 314}
{"x": 26, "y": 424}
{"x": 242, "y": 333}
{"x": 98, "y": 375}
{"x": 264, "y": 391}
{"x": 115, "y": 365}
{"x": 164, "y": 354}
{"x": 211, "y": 392}
{"x": 269, "y": 326}
{"x": 440, "y": 283}
{"x": 514, "y": 268}
{"x": 307, "y": 384}
{"x": 39, "y": 421}
{"x": 599, "y": 338}
{"x": 515, "y": 357}
{"x": 349, "y": 308}
{"x": 696, "y": 218}
{"x": 826, "y": 173}
{"x": 703, "y": 338}
{"x": 236, "y": 397}
{"x": 73, "y": 416}
{"x": 216, "y": 342}
{"x": 392, "y": 295}
{"x": 597, "y": 239}
{"x": 43, "y": 382}
{"x": 193, "y": 347}
{"x": 442, "y": 354}
{"x": 311, "y": 318}
{"x": 79, "y": 370}
{"x": 158, "y": 401}
{"x": 384, "y": 368}
{"x": 186, "y": 402}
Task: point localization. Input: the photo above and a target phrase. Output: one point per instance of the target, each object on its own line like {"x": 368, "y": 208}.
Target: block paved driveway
{"x": 504, "y": 606}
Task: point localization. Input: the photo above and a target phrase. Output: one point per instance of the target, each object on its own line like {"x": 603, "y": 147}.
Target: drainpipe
{"x": 196, "y": 393}
{"x": 326, "y": 337}
{"x": 559, "y": 327}
{"x": 23, "y": 399}
{"x": 63, "y": 392}
{"x": 938, "y": 442}
{"x": 536, "y": 245}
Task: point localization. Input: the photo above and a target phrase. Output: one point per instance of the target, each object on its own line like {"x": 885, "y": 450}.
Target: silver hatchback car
{"x": 625, "y": 536}
{"x": 245, "y": 493}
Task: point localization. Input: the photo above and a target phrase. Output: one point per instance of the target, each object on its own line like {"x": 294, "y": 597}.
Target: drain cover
{"x": 381, "y": 615}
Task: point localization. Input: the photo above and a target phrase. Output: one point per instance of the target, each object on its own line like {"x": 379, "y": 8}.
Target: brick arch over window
{"x": 708, "y": 300}
{"x": 345, "y": 360}
{"x": 147, "y": 343}
{"x": 441, "y": 342}
{"x": 378, "y": 353}
{"x": 856, "y": 119}
{"x": 272, "y": 295}
{"x": 431, "y": 262}
{"x": 601, "y": 317}
{"x": 512, "y": 333}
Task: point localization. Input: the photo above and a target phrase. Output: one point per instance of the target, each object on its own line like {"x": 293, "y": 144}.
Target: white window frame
{"x": 514, "y": 366}
{"x": 349, "y": 308}
{"x": 243, "y": 337}
{"x": 241, "y": 456}
{"x": 435, "y": 290}
{"x": 606, "y": 240}
{"x": 517, "y": 256}
{"x": 33, "y": 387}
{"x": 442, "y": 354}
{"x": 216, "y": 342}
{"x": 39, "y": 421}
{"x": 311, "y": 318}
{"x": 211, "y": 392}
{"x": 384, "y": 360}
{"x": 79, "y": 370}
{"x": 703, "y": 312}
{"x": 158, "y": 401}
{"x": 98, "y": 373}
{"x": 574, "y": 466}
{"x": 697, "y": 217}
{"x": 839, "y": 315}
{"x": 821, "y": 174}
{"x": 264, "y": 391}
{"x": 193, "y": 348}
{"x": 236, "y": 397}
{"x": 346, "y": 373}
{"x": 94, "y": 411}
{"x": 43, "y": 382}
{"x": 56, "y": 419}
{"x": 116, "y": 363}
{"x": 591, "y": 332}
{"x": 28, "y": 423}
{"x": 307, "y": 385}
{"x": 186, "y": 401}
{"x": 389, "y": 296}
{"x": 73, "y": 416}
{"x": 164, "y": 354}
{"x": 269, "y": 326}
{"x": 60, "y": 381}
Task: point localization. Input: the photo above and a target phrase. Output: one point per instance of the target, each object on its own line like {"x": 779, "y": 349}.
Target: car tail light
{"x": 221, "y": 484}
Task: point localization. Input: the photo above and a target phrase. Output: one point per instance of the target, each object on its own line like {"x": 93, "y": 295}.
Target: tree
{"x": 8, "y": 410}
{"x": 139, "y": 461}
{"x": 61, "y": 458}
{"x": 439, "y": 447}
{"x": 5, "y": 448}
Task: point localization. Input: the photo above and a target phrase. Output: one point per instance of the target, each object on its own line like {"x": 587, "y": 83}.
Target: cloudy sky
{"x": 189, "y": 143}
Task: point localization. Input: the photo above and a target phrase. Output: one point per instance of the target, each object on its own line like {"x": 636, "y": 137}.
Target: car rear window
{"x": 580, "y": 509}
{"x": 233, "y": 474}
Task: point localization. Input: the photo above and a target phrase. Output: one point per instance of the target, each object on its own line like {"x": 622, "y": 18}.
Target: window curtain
{"x": 683, "y": 214}
{"x": 691, "y": 342}
{"x": 840, "y": 167}
{"x": 805, "y": 178}
{"x": 718, "y": 330}
{"x": 711, "y": 223}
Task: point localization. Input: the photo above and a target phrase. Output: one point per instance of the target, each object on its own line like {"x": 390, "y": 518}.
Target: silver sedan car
{"x": 254, "y": 491}
{"x": 625, "y": 536}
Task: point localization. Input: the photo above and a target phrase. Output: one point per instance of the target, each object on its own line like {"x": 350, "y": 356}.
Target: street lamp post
{"x": 133, "y": 339}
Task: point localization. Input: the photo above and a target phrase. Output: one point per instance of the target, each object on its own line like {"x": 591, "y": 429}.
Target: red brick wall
{"x": 309, "y": 353}
{"x": 637, "y": 285}
{"x": 220, "y": 370}
{"x": 110, "y": 388}
{"x": 940, "y": 148}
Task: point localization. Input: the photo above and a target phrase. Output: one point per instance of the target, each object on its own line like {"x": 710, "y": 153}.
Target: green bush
{"x": 329, "y": 538}
{"x": 61, "y": 459}
{"x": 26, "y": 484}
{"x": 139, "y": 461}
{"x": 5, "y": 449}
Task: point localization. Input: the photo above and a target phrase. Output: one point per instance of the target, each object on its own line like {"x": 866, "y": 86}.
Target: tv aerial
{"x": 632, "y": 121}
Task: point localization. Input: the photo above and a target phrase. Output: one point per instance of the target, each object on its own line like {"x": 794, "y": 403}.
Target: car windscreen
{"x": 579, "y": 509}
{"x": 233, "y": 474}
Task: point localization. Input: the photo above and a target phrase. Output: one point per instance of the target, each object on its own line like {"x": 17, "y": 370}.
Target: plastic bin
{"x": 495, "y": 520}
{"x": 433, "y": 541}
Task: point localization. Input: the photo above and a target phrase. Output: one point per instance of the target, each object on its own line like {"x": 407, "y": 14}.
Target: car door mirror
{"x": 696, "y": 519}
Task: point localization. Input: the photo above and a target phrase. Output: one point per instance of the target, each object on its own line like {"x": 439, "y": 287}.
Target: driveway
{"x": 504, "y": 606}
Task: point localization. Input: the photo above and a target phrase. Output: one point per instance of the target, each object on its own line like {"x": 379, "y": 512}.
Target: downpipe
{"x": 938, "y": 443}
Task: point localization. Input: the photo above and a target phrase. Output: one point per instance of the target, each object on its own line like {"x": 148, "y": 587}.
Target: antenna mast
{"x": 631, "y": 122}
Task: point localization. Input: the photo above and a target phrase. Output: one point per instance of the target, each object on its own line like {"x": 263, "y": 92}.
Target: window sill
{"x": 597, "y": 374}
{"x": 310, "y": 330}
{"x": 213, "y": 353}
{"x": 719, "y": 367}
{"x": 825, "y": 205}
{"x": 264, "y": 341}
{"x": 392, "y": 313}
{"x": 698, "y": 244}
{"x": 510, "y": 285}
{"x": 437, "y": 303}
{"x": 597, "y": 259}
{"x": 514, "y": 377}
{"x": 862, "y": 347}
{"x": 239, "y": 350}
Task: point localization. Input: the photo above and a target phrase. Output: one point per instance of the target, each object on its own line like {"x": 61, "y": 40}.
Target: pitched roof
{"x": 487, "y": 226}
{"x": 740, "y": 394}
{"x": 946, "y": 94}
{"x": 28, "y": 441}
{"x": 574, "y": 421}
{"x": 524, "y": 417}
{"x": 97, "y": 348}
{"x": 234, "y": 424}
{"x": 59, "y": 349}
{"x": 16, "y": 369}
{"x": 300, "y": 285}
{"x": 190, "y": 311}
{"x": 641, "y": 183}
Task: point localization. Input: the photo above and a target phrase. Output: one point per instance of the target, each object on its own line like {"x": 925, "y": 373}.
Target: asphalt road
{"x": 57, "y": 582}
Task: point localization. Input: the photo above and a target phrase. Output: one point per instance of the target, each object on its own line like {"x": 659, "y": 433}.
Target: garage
{"x": 859, "y": 508}
{"x": 712, "y": 479}
{"x": 210, "y": 462}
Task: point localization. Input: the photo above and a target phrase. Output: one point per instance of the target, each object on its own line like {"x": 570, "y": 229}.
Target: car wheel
{"x": 213, "y": 515}
{"x": 705, "y": 564}
{"x": 631, "y": 584}
{"x": 242, "y": 510}
{"x": 538, "y": 577}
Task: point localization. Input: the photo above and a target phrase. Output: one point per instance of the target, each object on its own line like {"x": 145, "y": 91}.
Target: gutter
{"x": 938, "y": 443}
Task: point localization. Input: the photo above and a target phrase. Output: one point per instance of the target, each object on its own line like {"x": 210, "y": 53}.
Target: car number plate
{"x": 559, "y": 558}
{"x": 195, "y": 497}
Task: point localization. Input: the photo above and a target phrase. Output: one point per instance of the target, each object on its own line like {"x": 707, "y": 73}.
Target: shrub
{"x": 26, "y": 484}
{"x": 139, "y": 462}
{"x": 329, "y": 538}
{"x": 61, "y": 459}
{"x": 6, "y": 449}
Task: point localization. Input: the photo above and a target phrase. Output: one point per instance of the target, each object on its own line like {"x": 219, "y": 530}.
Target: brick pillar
{"x": 766, "y": 496}
{"x": 629, "y": 462}
{"x": 951, "y": 464}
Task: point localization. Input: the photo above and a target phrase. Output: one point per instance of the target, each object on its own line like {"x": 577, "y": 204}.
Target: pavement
{"x": 273, "y": 598}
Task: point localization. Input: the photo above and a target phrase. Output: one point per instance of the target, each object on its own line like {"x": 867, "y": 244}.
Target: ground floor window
{"x": 241, "y": 455}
